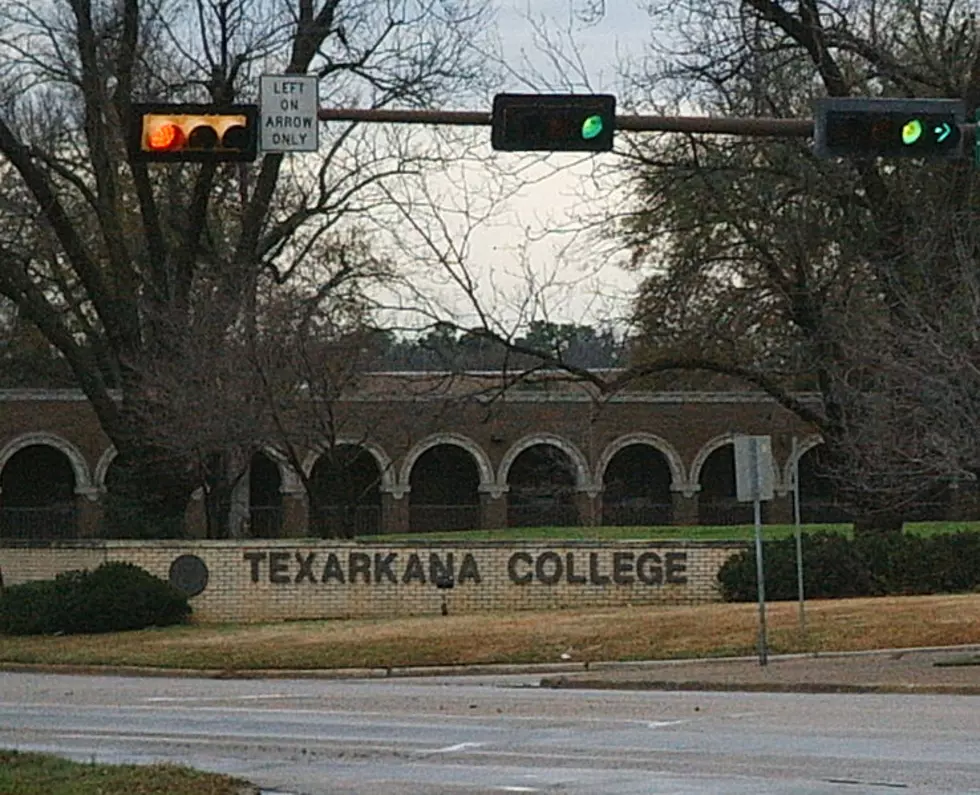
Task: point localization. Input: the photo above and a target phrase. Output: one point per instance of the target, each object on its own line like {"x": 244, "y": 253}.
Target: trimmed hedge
{"x": 112, "y": 598}
{"x": 835, "y": 566}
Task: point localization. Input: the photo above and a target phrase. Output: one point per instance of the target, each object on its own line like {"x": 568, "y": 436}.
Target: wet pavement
{"x": 485, "y": 735}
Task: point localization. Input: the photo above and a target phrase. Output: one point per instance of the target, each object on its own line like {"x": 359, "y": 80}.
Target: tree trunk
{"x": 224, "y": 473}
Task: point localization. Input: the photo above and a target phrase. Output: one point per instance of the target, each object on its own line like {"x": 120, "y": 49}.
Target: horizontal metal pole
{"x": 802, "y": 128}
{"x": 711, "y": 125}
{"x": 693, "y": 124}
{"x": 456, "y": 117}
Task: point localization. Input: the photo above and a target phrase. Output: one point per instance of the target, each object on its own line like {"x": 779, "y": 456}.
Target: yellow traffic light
{"x": 177, "y": 133}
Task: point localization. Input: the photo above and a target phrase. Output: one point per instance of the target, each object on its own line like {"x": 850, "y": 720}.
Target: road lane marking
{"x": 413, "y": 717}
{"x": 458, "y": 747}
{"x": 191, "y": 699}
{"x": 658, "y": 724}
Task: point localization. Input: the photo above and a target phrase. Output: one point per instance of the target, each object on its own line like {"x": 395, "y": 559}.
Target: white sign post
{"x": 754, "y": 482}
{"x": 288, "y": 106}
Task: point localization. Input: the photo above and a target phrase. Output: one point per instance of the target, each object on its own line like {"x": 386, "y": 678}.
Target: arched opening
{"x": 264, "y": 497}
{"x": 717, "y": 501}
{"x": 37, "y": 495}
{"x": 445, "y": 490}
{"x": 346, "y": 499}
{"x": 636, "y": 488}
{"x": 819, "y": 501}
{"x": 542, "y": 489}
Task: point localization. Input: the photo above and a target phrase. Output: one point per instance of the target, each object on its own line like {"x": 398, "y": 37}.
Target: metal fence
{"x": 817, "y": 511}
{"x": 624, "y": 514}
{"x": 432, "y": 518}
{"x": 265, "y": 521}
{"x": 345, "y": 521}
{"x": 551, "y": 515}
{"x": 46, "y": 523}
{"x": 728, "y": 512}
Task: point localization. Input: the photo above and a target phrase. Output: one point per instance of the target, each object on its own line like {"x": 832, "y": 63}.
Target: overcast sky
{"x": 586, "y": 286}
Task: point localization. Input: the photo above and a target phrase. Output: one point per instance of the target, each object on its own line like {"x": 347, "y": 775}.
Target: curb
{"x": 483, "y": 669}
{"x": 477, "y": 669}
{"x": 564, "y": 683}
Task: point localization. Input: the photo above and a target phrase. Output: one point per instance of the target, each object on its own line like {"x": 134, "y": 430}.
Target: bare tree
{"x": 116, "y": 262}
{"x": 792, "y": 273}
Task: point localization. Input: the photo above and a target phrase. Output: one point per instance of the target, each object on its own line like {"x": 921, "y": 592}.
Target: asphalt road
{"x": 499, "y": 735}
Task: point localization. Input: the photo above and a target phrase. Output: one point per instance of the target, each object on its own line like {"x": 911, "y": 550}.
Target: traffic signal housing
{"x": 553, "y": 122}
{"x": 189, "y": 133}
{"x": 859, "y": 127}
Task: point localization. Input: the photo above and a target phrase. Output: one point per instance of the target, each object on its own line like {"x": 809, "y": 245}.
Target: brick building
{"x": 422, "y": 452}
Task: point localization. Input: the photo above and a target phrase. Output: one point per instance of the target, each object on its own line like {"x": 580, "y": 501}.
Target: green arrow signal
{"x": 942, "y": 131}
{"x": 976, "y": 139}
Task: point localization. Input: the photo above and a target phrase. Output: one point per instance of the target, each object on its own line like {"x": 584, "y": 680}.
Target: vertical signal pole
{"x": 759, "y": 572}
{"x": 754, "y": 483}
{"x": 799, "y": 537}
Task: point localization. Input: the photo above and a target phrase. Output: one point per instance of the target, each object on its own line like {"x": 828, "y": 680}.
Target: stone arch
{"x": 102, "y": 467}
{"x": 707, "y": 449}
{"x": 720, "y": 441}
{"x": 288, "y": 479}
{"x": 819, "y": 499}
{"x": 483, "y": 465}
{"x": 802, "y": 449}
{"x": 83, "y": 477}
{"x": 678, "y": 483}
{"x": 444, "y": 490}
{"x": 347, "y": 481}
{"x": 714, "y": 505}
{"x": 383, "y": 460}
{"x": 583, "y": 479}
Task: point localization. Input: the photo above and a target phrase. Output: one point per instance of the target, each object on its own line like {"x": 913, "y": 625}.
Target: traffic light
{"x": 865, "y": 127}
{"x": 553, "y": 122}
{"x": 179, "y": 133}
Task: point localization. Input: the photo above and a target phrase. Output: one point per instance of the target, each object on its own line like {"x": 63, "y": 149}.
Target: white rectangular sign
{"x": 753, "y": 468}
{"x": 288, "y": 108}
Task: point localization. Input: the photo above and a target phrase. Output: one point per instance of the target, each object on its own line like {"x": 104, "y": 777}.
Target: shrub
{"x": 868, "y": 565}
{"x": 113, "y": 597}
{"x": 33, "y": 608}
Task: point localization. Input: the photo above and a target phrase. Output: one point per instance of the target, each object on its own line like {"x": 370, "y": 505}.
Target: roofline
{"x": 510, "y": 396}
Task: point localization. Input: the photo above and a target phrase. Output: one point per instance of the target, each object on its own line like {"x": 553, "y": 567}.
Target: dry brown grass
{"x": 611, "y": 634}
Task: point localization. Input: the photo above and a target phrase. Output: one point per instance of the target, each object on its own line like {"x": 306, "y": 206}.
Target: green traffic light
{"x": 591, "y": 127}
{"x": 911, "y": 132}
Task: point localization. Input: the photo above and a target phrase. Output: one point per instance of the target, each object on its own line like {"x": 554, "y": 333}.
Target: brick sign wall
{"x": 273, "y": 580}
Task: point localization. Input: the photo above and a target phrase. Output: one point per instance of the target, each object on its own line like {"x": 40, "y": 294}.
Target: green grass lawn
{"x": 661, "y": 533}
{"x": 41, "y": 774}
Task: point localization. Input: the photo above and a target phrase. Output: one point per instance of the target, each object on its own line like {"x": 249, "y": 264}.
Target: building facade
{"x": 410, "y": 455}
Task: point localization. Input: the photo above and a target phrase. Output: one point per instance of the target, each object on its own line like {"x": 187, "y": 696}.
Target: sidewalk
{"x": 949, "y": 671}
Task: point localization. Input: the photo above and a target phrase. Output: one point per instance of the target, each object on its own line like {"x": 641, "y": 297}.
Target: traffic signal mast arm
{"x": 850, "y": 127}
{"x": 713, "y": 125}
{"x": 801, "y": 128}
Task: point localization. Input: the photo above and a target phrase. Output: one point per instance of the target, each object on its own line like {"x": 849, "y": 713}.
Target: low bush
{"x": 112, "y": 598}
{"x": 835, "y": 566}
